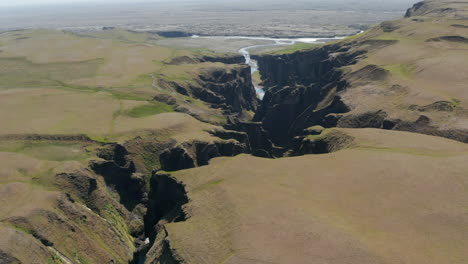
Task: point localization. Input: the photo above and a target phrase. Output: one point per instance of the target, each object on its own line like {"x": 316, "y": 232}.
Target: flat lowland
{"x": 392, "y": 197}
{"x": 274, "y": 18}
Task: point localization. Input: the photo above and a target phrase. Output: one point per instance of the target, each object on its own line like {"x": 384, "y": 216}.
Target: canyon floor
{"x": 119, "y": 146}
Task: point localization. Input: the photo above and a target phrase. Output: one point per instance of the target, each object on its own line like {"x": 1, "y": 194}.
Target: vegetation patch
{"x": 295, "y": 48}
{"x": 404, "y": 71}
{"x": 153, "y": 108}
{"x": 54, "y": 259}
{"x": 456, "y": 102}
{"x": 20, "y": 72}
{"x": 47, "y": 150}
{"x": 113, "y": 215}
{"x": 257, "y": 77}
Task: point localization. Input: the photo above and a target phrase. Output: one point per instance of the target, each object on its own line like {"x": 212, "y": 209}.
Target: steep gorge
{"x": 132, "y": 183}
{"x": 338, "y": 85}
{"x": 312, "y": 88}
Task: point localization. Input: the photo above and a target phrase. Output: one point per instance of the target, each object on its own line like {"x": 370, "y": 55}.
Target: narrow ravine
{"x": 245, "y": 51}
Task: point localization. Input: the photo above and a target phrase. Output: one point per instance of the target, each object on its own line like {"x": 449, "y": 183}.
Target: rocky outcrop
{"x": 198, "y": 153}
{"x": 302, "y": 88}
{"x": 172, "y": 34}
{"x": 230, "y": 89}
{"x": 231, "y": 59}
{"x": 457, "y": 39}
{"x": 259, "y": 142}
{"x": 417, "y": 9}
{"x": 177, "y": 158}
{"x": 120, "y": 173}
{"x": 167, "y": 198}
{"x": 327, "y": 141}
{"x": 226, "y": 59}
{"x": 166, "y": 201}
{"x": 434, "y": 8}
{"x": 337, "y": 86}
{"x": 423, "y": 124}
{"x": 8, "y": 259}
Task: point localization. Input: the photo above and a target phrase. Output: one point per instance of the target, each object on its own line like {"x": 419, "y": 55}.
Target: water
{"x": 275, "y": 42}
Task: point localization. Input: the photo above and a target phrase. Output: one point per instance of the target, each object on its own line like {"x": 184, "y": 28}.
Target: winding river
{"x": 275, "y": 42}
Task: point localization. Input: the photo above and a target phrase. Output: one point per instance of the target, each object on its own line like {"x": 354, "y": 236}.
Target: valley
{"x": 120, "y": 145}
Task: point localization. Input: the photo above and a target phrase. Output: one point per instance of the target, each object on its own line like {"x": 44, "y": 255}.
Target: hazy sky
{"x": 11, "y": 3}
{"x": 5, "y": 3}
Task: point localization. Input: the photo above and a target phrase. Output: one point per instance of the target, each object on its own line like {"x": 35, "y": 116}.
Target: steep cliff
{"x": 375, "y": 79}
{"x": 227, "y": 87}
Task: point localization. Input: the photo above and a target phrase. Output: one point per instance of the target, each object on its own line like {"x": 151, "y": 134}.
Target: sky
{"x": 9, "y": 3}
{"x": 12, "y": 3}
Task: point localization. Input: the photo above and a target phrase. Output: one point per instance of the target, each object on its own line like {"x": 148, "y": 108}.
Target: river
{"x": 275, "y": 42}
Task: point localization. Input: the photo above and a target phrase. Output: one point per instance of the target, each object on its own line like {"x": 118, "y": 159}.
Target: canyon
{"x": 139, "y": 153}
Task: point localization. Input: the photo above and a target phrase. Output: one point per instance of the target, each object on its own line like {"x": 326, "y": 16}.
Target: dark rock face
{"x": 229, "y": 89}
{"x": 332, "y": 142}
{"x": 459, "y": 26}
{"x": 370, "y": 119}
{"x": 167, "y": 198}
{"x": 120, "y": 173}
{"x": 238, "y": 59}
{"x": 258, "y": 139}
{"x": 241, "y": 137}
{"x": 302, "y": 88}
{"x": 441, "y": 106}
{"x": 370, "y": 73}
{"x": 176, "y": 159}
{"x": 423, "y": 125}
{"x": 431, "y": 8}
{"x": 8, "y": 259}
{"x": 82, "y": 184}
{"x": 305, "y": 68}
{"x": 194, "y": 154}
{"x": 173, "y": 34}
{"x": 389, "y": 26}
{"x": 114, "y": 152}
{"x": 231, "y": 59}
{"x": 458, "y": 39}
{"x": 416, "y": 10}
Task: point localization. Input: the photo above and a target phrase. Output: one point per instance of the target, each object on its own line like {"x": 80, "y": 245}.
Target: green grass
{"x": 322, "y": 135}
{"x": 21, "y": 73}
{"x": 47, "y": 150}
{"x": 54, "y": 259}
{"x": 257, "y": 77}
{"x": 100, "y": 139}
{"x": 126, "y": 96}
{"x": 407, "y": 151}
{"x": 403, "y": 71}
{"x": 294, "y": 48}
{"x": 456, "y": 102}
{"x": 120, "y": 35}
{"x": 113, "y": 215}
{"x": 82, "y": 259}
{"x": 216, "y": 182}
{"x": 153, "y": 108}
{"x": 207, "y": 185}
